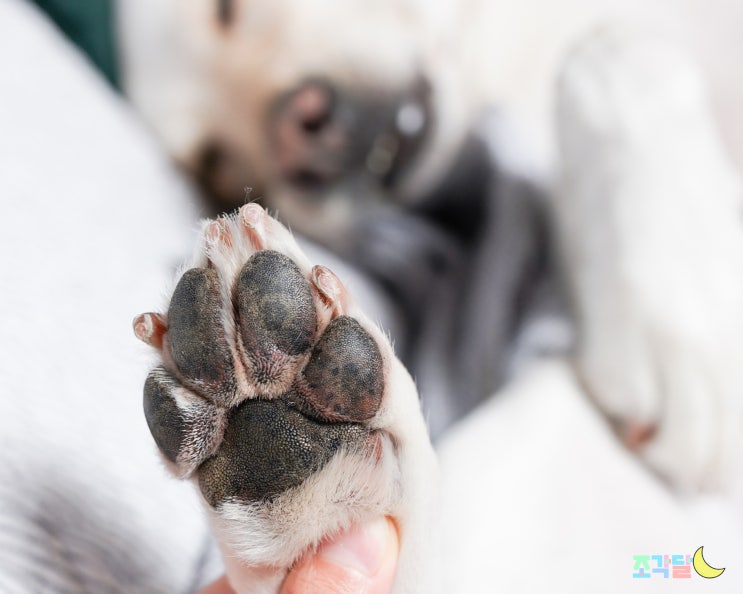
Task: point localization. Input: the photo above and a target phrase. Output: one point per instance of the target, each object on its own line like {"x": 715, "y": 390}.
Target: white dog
{"x": 336, "y": 127}
{"x": 657, "y": 350}
{"x": 273, "y": 103}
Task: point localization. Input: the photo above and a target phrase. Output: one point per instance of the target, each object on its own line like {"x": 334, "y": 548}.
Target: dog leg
{"x": 649, "y": 218}
{"x": 285, "y": 405}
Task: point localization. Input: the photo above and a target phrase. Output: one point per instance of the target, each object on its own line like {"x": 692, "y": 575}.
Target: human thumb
{"x": 359, "y": 561}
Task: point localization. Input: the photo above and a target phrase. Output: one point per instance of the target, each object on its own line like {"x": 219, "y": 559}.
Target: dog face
{"x": 309, "y": 103}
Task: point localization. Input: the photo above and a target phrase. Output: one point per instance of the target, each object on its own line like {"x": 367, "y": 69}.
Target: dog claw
{"x": 634, "y": 435}
{"x": 217, "y": 233}
{"x": 252, "y": 217}
{"x": 150, "y": 328}
{"x": 331, "y": 289}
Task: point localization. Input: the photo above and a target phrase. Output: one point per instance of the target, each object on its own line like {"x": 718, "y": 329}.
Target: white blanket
{"x": 94, "y": 223}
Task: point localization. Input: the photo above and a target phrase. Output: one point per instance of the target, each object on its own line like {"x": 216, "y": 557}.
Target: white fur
{"x": 649, "y": 215}
{"x": 350, "y": 488}
{"x": 539, "y": 496}
{"x": 206, "y": 423}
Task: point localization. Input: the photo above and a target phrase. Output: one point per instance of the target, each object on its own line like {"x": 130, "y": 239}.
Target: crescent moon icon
{"x": 703, "y": 568}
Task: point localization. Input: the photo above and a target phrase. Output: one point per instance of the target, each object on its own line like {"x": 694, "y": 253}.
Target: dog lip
{"x": 308, "y": 180}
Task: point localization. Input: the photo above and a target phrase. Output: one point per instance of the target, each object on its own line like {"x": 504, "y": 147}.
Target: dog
{"x": 231, "y": 373}
{"x": 383, "y": 156}
{"x": 593, "y": 130}
{"x": 384, "y": 152}
{"x": 371, "y": 143}
{"x": 566, "y": 236}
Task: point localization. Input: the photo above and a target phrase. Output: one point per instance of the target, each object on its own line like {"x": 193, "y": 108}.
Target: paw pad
{"x": 264, "y": 378}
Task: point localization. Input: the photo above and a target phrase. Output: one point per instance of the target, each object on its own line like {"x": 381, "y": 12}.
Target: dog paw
{"x": 649, "y": 225}
{"x": 282, "y": 402}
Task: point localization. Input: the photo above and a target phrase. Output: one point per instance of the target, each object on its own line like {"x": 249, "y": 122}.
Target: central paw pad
{"x": 263, "y": 377}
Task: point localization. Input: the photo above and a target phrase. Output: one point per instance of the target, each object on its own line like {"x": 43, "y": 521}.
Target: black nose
{"x": 308, "y": 135}
{"x": 320, "y": 134}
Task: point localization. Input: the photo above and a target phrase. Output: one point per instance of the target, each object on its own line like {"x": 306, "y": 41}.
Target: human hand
{"x": 359, "y": 561}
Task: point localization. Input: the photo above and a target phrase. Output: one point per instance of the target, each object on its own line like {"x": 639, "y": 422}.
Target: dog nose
{"x": 309, "y": 136}
{"x": 320, "y": 134}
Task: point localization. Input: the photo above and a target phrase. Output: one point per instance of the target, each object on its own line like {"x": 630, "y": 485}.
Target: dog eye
{"x": 225, "y": 12}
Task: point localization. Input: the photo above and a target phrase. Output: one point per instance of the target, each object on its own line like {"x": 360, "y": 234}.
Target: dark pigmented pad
{"x": 269, "y": 447}
{"x": 164, "y": 418}
{"x": 195, "y": 334}
{"x": 275, "y": 307}
{"x": 344, "y": 375}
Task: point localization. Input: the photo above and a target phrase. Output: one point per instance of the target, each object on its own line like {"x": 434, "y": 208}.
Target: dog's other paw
{"x": 649, "y": 219}
{"x": 284, "y": 404}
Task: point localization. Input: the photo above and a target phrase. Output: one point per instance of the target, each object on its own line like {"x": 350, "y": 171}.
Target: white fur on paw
{"x": 284, "y": 404}
{"x": 649, "y": 218}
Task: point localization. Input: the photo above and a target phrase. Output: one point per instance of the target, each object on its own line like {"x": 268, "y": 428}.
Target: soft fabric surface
{"x": 95, "y": 221}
